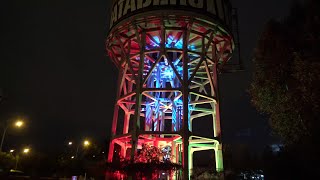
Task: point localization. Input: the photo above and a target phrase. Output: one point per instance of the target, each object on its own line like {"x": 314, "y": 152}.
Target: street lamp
{"x": 18, "y": 124}
{"x": 85, "y": 143}
{"x": 24, "y": 151}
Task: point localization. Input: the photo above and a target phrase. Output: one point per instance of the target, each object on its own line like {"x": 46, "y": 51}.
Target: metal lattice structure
{"x": 168, "y": 81}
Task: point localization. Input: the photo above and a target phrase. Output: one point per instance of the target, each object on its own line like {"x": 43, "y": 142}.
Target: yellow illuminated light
{"x": 86, "y": 143}
{"x": 70, "y": 143}
{"x": 19, "y": 123}
{"x": 26, "y": 150}
{"x": 11, "y": 150}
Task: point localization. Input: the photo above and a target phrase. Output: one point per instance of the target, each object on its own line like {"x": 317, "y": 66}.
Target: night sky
{"x": 55, "y": 73}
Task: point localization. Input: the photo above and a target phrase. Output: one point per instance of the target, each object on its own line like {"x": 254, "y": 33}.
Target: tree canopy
{"x": 286, "y": 79}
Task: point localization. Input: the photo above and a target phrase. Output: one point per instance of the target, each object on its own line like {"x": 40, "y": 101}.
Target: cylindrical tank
{"x": 168, "y": 53}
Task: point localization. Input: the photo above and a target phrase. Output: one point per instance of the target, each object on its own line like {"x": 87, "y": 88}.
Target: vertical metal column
{"x": 217, "y": 126}
{"x": 185, "y": 96}
{"x": 115, "y": 117}
{"x": 139, "y": 90}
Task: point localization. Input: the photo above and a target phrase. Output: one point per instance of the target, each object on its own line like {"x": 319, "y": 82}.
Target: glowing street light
{"x": 17, "y": 123}
{"x": 11, "y": 150}
{"x": 26, "y": 150}
{"x": 85, "y": 143}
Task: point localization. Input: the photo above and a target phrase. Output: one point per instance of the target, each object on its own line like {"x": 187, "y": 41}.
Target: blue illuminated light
{"x": 157, "y": 39}
{"x": 192, "y": 47}
{"x": 170, "y": 40}
{"x": 164, "y": 76}
{"x": 154, "y": 43}
{"x": 173, "y": 43}
{"x": 179, "y": 44}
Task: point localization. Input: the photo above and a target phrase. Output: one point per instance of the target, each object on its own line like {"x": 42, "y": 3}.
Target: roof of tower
{"x": 217, "y": 10}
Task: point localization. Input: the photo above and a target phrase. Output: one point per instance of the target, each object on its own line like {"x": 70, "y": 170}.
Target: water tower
{"x": 169, "y": 54}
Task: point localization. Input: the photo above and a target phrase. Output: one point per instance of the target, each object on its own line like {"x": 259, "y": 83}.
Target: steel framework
{"x": 168, "y": 81}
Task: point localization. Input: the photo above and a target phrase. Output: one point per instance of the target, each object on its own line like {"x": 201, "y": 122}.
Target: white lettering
{"x": 139, "y": 4}
{"x": 147, "y": 3}
{"x": 173, "y": 2}
{"x": 166, "y": 2}
{"x": 156, "y": 2}
{"x": 127, "y": 7}
{"x": 193, "y": 3}
{"x": 114, "y": 15}
{"x": 183, "y": 2}
{"x": 120, "y": 4}
{"x": 133, "y": 5}
{"x": 123, "y": 7}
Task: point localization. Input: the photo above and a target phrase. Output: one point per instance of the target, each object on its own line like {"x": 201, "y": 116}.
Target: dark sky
{"x": 55, "y": 73}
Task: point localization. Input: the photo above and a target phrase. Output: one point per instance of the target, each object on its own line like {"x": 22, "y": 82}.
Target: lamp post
{"x": 18, "y": 124}
{"x": 85, "y": 143}
{"x": 17, "y": 157}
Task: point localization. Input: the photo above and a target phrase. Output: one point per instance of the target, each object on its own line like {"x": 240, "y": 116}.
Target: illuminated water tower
{"x": 169, "y": 54}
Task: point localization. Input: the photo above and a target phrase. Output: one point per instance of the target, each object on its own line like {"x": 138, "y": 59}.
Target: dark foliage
{"x": 286, "y": 82}
{"x": 286, "y": 86}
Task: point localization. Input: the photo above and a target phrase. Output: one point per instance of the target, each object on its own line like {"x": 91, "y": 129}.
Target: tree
{"x": 149, "y": 154}
{"x": 286, "y": 81}
{"x": 287, "y": 74}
